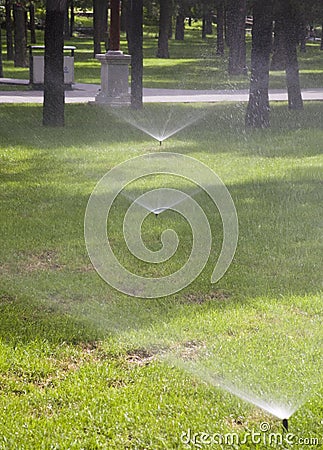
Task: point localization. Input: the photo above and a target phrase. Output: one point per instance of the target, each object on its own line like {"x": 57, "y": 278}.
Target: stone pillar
{"x": 114, "y": 79}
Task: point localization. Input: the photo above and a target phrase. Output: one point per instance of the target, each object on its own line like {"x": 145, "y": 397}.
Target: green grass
{"x": 193, "y": 64}
{"x": 83, "y": 366}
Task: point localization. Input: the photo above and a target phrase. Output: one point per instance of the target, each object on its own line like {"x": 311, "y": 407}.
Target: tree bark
{"x": 20, "y": 58}
{"x": 204, "y": 26}
{"x": 135, "y": 44}
{"x": 164, "y": 15}
{"x": 208, "y": 23}
{"x": 32, "y": 23}
{"x": 123, "y": 15}
{"x": 114, "y": 43}
{"x": 1, "y": 66}
{"x": 257, "y": 114}
{"x": 100, "y": 25}
{"x": 67, "y": 31}
{"x": 72, "y": 18}
{"x": 96, "y": 28}
{"x": 302, "y": 36}
{"x": 292, "y": 71}
{"x": 236, "y": 33}
{"x": 10, "y": 52}
{"x": 54, "y": 96}
{"x": 180, "y": 25}
{"x": 278, "y": 60}
{"x": 220, "y": 28}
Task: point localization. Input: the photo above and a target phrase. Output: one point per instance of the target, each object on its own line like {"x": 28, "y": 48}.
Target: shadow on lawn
{"x": 277, "y": 256}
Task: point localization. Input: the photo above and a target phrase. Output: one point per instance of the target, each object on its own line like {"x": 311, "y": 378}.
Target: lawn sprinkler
{"x": 285, "y": 424}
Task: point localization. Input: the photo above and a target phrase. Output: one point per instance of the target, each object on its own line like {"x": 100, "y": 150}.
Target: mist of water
{"x": 162, "y": 200}
{"x": 160, "y": 123}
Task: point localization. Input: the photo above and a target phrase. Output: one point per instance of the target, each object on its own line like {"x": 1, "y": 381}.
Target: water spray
{"x": 285, "y": 424}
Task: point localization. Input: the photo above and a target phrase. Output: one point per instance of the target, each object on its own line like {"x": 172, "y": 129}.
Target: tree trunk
{"x": 170, "y": 23}
{"x": 180, "y": 26}
{"x": 278, "y": 60}
{"x": 164, "y": 15}
{"x": 208, "y": 23}
{"x": 67, "y": 31}
{"x": 123, "y": 15}
{"x": 204, "y": 26}
{"x": 291, "y": 41}
{"x": 20, "y": 58}
{"x": 302, "y": 36}
{"x": 114, "y": 38}
{"x": 32, "y": 23}
{"x": 1, "y": 66}
{"x": 257, "y": 114}
{"x": 72, "y": 18}
{"x": 135, "y": 44}
{"x": 220, "y": 28}
{"x": 10, "y": 53}
{"x": 54, "y": 96}
{"x": 236, "y": 31}
{"x": 96, "y": 28}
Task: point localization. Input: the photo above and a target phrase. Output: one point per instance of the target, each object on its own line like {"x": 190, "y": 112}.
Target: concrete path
{"x": 83, "y": 93}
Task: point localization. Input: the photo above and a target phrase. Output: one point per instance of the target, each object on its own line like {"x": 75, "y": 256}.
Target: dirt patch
{"x": 199, "y": 298}
{"x": 47, "y": 260}
{"x": 140, "y": 357}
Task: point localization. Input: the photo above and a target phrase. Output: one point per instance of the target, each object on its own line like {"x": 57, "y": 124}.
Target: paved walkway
{"x": 83, "y": 93}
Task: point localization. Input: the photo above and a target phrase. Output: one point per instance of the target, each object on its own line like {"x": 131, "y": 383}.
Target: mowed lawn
{"x": 83, "y": 366}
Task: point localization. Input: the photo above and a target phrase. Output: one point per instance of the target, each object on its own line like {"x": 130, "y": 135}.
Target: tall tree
{"x": 20, "y": 57}
{"x": 134, "y": 21}
{"x": 54, "y": 96}
{"x": 278, "y": 60}
{"x": 257, "y": 114}
{"x": 220, "y": 27}
{"x": 32, "y": 23}
{"x": 9, "y": 28}
{"x": 1, "y": 66}
{"x": 236, "y": 17}
{"x": 72, "y": 18}
{"x": 180, "y": 22}
{"x": 292, "y": 21}
{"x": 164, "y": 20}
{"x": 100, "y": 24}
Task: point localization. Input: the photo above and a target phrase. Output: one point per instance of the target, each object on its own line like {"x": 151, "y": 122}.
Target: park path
{"x": 83, "y": 93}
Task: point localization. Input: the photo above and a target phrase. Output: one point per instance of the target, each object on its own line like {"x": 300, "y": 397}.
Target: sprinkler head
{"x": 285, "y": 424}
{"x": 160, "y": 143}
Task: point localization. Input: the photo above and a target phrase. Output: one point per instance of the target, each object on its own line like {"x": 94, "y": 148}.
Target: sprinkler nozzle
{"x": 285, "y": 424}
{"x": 160, "y": 143}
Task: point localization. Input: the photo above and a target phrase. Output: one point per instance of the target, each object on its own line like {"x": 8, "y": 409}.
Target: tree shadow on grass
{"x": 278, "y": 256}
